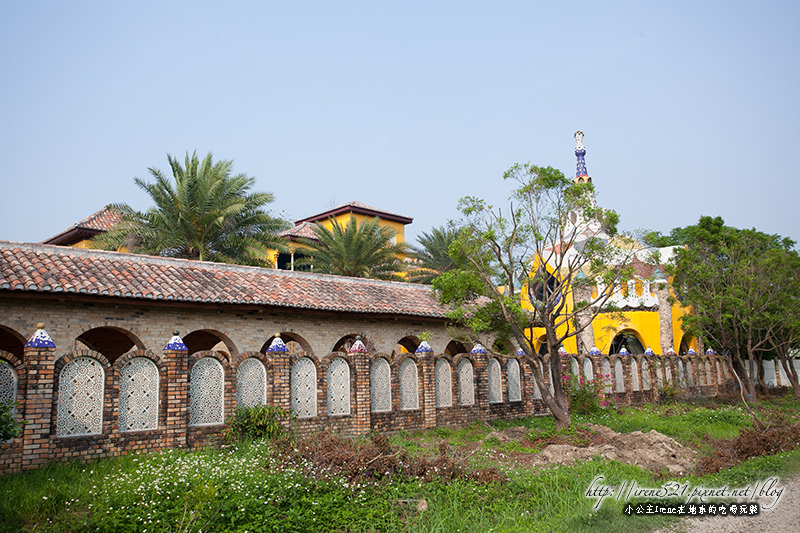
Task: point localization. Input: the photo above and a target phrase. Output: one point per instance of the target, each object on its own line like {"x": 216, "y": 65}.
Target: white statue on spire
{"x": 579, "y": 140}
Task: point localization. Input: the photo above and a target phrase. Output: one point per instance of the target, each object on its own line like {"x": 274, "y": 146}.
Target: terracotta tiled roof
{"x": 359, "y": 208}
{"x": 90, "y": 226}
{"x": 303, "y": 230}
{"x": 36, "y": 268}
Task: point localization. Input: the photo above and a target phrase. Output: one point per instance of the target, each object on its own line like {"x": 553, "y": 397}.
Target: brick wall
{"x": 245, "y": 333}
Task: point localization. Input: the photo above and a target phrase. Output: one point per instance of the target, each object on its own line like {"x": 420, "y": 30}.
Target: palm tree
{"x": 431, "y": 257}
{"x": 207, "y": 214}
{"x": 364, "y": 250}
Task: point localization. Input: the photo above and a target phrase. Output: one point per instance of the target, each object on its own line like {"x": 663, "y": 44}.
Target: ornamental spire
{"x": 581, "y": 175}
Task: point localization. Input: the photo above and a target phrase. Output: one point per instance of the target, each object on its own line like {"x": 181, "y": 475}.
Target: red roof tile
{"x": 36, "y": 268}
{"x": 358, "y": 208}
{"x": 90, "y": 226}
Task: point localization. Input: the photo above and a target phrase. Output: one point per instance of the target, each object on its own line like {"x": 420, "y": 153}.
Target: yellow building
{"x": 304, "y": 228}
{"x": 646, "y": 321}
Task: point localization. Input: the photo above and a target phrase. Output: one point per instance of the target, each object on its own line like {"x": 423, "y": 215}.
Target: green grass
{"x": 244, "y": 488}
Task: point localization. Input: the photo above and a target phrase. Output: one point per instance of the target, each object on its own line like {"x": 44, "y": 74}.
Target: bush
{"x": 9, "y": 428}
{"x": 668, "y": 394}
{"x": 584, "y": 394}
{"x": 257, "y": 422}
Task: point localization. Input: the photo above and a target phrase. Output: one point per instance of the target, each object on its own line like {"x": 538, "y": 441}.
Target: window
{"x": 80, "y": 398}
{"x": 138, "y": 395}
{"x": 338, "y": 387}
{"x": 206, "y": 393}
{"x": 304, "y": 388}
{"x": 380, "y": 386}
{"x": 251, "y": 383}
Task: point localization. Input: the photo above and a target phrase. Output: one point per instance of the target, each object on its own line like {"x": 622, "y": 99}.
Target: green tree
{"x": 365, "y": 250}
{"x": 550, "y": 247}
{"x": 742, "y": 287}
{"x": 9, "y": 428}
{"x": 204, "y": 212}
{"x": 432, "y": 256}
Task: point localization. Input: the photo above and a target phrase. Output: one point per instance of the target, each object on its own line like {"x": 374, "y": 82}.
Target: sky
{"x": 687, "y": 108}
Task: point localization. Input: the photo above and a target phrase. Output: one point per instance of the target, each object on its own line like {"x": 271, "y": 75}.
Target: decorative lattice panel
{"x": 444, "y": 386}
{"x": 537, "y": 392}
{"x": 681, "y": 374}
{"x": 80, "y": 398}
{"x": 304, "y": 388}
{"x": 495, "y": 381}
{"x": 659, "y": 375}
{"x": 708, "y": 377}
{"x": 668, "y": 372}
{"x": 573, "y": 366}
{"x": 251, "y": 383}
{"x": 619, "y": 376}
{"x": 138, "y": 395}
{"x": 645, "y": 375}
{"x": 721, "y": 378}
{"x": 607, "y": 376}
{"x": 380, "y": 386}
{"x": 514, "y": 383}
{"x": 409, "y": 397}
{"x": 8, "y": 383}
{"x": 338, "y": 387}
{"x": 466, "y": 384}
{"x": 206, "y": 393}
{"x": 634, "y": 374}
{"x": 690, "y": 373}
{"x": 588, "y": 369}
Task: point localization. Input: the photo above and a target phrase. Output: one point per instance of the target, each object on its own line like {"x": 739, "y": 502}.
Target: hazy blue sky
{"x": 688, "y": 108}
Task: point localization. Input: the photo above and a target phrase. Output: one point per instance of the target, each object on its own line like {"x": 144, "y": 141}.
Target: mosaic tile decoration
{"x": 444, "y": 386}
{"x": 424, "y": 347}
{"x": 80, "y": 398}
{"x": 380, "y": 386}
{"x": 338, "y": 387}
{"x": 206, "y": 393}
{"x": 251, "y": 383}
{"x": 40, "y": 339}
{"x": 304, "y": 388}
{"x": 138, "y": 395}
{"x": 175, "y": 344}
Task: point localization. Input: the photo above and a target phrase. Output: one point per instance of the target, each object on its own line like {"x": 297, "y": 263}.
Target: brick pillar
{"x": 39, "y": 357}
{"x": 176, "y": 359}
{"x": 363, "y": 407}
{"x": 426, "y": 361}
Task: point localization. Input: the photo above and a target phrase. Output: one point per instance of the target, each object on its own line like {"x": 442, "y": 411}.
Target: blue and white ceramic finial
{"x": 580, "y": 152}
{"x": 478, "y": 348}
{"x": 424, "y": 347}
{"x": 624, "y": 351}
{"x": 710, "y": 351}
{"x": 691, "y": 352}
{"x": 595, "y": 351}
{"x": 358, "y": 346}
{"x": 562, "y": 351}
{"x": 670, "y": 351}
{"x": 175, "y": 344}
{"x": 277, "y": 345}
{"x": 520, "y": 352}
{"x": 649, "y": 351}
{"x": 40, "y": 339}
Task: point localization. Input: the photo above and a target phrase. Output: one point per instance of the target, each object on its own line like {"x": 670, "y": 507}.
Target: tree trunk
{"x": 788, "y": 368}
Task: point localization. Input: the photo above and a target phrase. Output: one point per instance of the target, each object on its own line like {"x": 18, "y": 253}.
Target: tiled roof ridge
{"x": 45, "y": 268}
{"x": 178, "y": 261}
{"x": 94, "y": 223}
{"x": 355, "y": 204}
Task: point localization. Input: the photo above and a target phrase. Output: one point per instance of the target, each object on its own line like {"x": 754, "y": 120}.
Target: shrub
{"x": 257, "y": 422}
{"x": 9, "y": 428}
{"x": 668, "y": 394}
{"x": 584, "y": 394}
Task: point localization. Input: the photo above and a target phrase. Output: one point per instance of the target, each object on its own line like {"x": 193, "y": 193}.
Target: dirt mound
{"x": 652, "y": 450}
{"x": 749, "y": 443}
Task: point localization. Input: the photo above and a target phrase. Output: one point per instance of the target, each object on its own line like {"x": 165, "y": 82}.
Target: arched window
{"x": 8, "y": 383}
{"x": 338, "y": 387}
{"x": 708, "y": 380}
{"x": 409, "y": 397}
{"x": 645, "y": 374}
{"x": 444, "y": 388}
{"x": 681, "y": 374}
{"x": 251, "y": 383}
{"x": 206, "y": 393}
{"x": 138, "y": 395}
{"x": 668, "y": 373}
{"x": 466, "y": 384}
{"x": 80, "y": 398}
{"x": 634, "y": 374}
{"x": 588, "y": 369}
{"x": 380, "y": 386}
{"x": 574, "y": 370}
{"x": 607, "y": 375}
{"x": 514, "y": 382}
{"x": 495, "y": 381}
{"x": 619, "y": 375}
{"x": 690, "y": 373}
{"x": 304, "y": 388}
